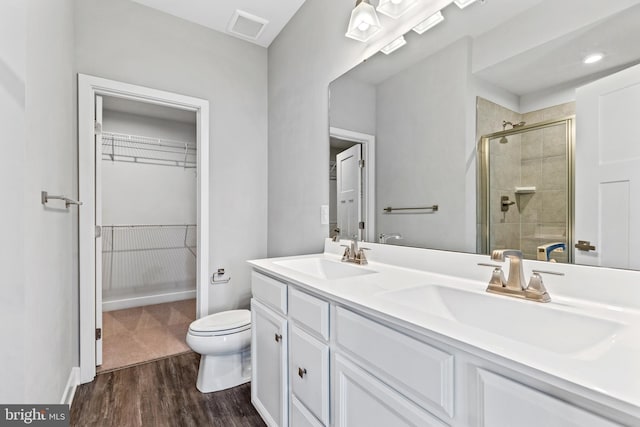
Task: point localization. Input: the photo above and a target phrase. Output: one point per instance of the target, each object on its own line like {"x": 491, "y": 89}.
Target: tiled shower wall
{"x": 535, "y": 158}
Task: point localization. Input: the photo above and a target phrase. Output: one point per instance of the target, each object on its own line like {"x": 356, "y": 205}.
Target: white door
{"x": 98, "y": 160}
{"x": 607, "y": 153}
{"x": 349, "y": 193}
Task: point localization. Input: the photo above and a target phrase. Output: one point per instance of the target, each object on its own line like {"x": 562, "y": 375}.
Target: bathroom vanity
{"x": 413, "y": 339}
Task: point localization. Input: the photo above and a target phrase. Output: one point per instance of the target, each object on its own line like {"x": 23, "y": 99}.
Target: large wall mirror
{"x": 507, "y": 125}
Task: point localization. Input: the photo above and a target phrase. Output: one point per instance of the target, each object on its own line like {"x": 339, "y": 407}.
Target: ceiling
{"x": 559, "y": 62}
{"x": 217, "y": 14}
{"x": 548, "y": 66}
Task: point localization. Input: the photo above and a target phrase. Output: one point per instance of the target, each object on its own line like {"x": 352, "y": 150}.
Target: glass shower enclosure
{"x": 525, "y": 194}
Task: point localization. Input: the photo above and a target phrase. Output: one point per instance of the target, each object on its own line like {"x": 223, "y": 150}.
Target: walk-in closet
{"x": 146, "y": 180}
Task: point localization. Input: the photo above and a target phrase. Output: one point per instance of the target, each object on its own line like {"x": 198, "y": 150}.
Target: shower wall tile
{"x": 529, "y": 205}
{"x": 554, "y": 173}
{"x": 531, "y": 145}
{"x": 531, "y": 173}
{"x": 554, "y": 141}
{"x": 533, "y": 117}
{"x": 505, "y": 236}
{"x": 554, "y": 206}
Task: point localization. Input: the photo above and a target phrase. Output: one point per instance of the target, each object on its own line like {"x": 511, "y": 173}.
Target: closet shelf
{"x": 119, "y": 147}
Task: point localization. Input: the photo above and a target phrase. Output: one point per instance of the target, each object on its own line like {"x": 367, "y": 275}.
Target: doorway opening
{"x": 146, "y": 174}
{"x": 351, "y": 185}
{"x": 143, "y": 230}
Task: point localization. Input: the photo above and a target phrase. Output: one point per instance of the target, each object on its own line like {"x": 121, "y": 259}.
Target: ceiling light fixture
{"x": 395, "y": 8}
{"x": 429, "y": 23}
{"x": 394, "y": 45}
{"x": 464, "y": 3}
{"x": 593, "y": 58}
{"x": 364, "y": 22}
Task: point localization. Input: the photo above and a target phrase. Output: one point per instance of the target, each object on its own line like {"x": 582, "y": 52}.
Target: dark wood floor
{"x": 160, "y": 393}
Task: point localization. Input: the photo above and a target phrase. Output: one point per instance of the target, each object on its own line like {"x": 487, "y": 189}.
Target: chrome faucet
{"x": 354, "y": 254}
{"x": 514, "y": 285}
{"x": 383, "y": 238}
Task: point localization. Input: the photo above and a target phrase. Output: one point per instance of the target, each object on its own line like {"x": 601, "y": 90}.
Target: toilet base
{"x": 221, "y": 372}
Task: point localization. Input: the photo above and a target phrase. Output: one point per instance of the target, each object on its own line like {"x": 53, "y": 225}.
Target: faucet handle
{"x": 536, "y": 289}
{"x": 362, "y": 260}
{"x": 347, "y": 252}
{"x": 497, "y": 277}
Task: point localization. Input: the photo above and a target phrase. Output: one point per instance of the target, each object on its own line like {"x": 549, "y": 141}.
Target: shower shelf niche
{"x": 525, "y": 190}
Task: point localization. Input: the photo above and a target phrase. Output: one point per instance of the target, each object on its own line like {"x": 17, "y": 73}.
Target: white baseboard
{"x": 70, "y": 388}
{"x": 140, "y": 301}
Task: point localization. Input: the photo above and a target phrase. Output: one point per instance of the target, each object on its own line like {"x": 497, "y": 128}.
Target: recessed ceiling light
{"x": 593, "y": 58}
{"x": 394, "y": 45}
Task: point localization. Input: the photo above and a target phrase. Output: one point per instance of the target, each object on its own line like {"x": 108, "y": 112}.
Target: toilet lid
{"x": 223, "y": 321}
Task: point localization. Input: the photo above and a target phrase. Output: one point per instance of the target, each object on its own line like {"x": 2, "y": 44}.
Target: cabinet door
{"x": 269, "y": 365}
{"x": 300, "y": 416}
{"x": 309, "y": 367}
{"x": 505, "y": 403}
{"x": 361, "y": 400}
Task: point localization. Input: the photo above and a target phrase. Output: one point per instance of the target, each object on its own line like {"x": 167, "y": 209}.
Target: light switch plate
{"x": 324, "y": 214}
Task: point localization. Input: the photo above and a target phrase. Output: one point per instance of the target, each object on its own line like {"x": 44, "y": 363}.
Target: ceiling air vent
{"x": 246, "y": 25}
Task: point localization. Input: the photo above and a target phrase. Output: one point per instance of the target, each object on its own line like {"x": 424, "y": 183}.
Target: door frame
{"x": 368, "y": 143}
{"x": 88, "y": 88}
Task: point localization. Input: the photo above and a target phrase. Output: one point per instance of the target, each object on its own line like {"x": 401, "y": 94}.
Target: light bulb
{"x": 593, "y": 58}
{"x": 363, "y": 26}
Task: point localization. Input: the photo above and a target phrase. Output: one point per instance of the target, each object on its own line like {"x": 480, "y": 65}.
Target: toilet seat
{"x": 223, "y": 323}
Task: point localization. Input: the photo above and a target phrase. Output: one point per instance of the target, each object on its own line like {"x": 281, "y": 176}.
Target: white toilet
{"x": 224, "y": 341}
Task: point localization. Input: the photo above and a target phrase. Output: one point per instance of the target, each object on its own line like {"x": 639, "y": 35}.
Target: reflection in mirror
{"x": 470, "y": 83}
{"x": 526, "y": 190}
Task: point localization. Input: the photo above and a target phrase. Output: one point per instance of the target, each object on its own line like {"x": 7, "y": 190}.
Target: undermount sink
{"x": 322, "y": 268}
{"x": 536, "y": 324}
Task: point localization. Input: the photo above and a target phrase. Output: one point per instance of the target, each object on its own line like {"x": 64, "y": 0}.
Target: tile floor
{"x": 141, "y": 334}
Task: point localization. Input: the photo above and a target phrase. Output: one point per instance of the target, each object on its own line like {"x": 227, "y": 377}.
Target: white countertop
{"x": 611, "y": 367}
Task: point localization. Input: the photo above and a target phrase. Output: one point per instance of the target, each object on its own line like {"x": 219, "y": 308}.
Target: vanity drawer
{"x": 309, "y": 312}
{"x": 309, "y": 372}
{"x": 421, "y": 372}
{"x": 269, "y": 291}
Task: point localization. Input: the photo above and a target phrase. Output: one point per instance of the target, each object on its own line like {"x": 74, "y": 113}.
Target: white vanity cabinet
{"x": 290, "y": 354}
{"x": 338, "y": 365}
{"x": 269, "y": 339}
{"x": 309, "y": 355}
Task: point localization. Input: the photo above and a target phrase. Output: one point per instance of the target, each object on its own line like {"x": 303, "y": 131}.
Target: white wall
{"x": 13, "y": 34}
{"x": 136, "y": 124}
{"x": 126, "y": 41}
{"x": 137, "y": 193}
{"x": 36, "y": 116}
{"x": 309, "y": 53}
{"x": 352, "y": 105}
